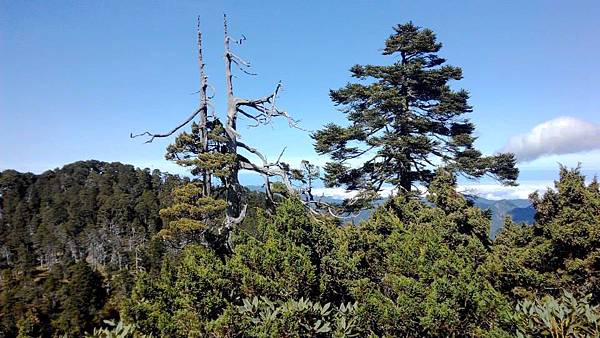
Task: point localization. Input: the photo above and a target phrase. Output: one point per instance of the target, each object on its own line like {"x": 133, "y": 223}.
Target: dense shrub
{"x": 561, "y": 251}
{"x": 413, "y": 269}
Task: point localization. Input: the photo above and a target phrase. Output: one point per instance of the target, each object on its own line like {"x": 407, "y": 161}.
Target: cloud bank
{"x": 341, "y": 193}
{"x": 500, "y": 192}
{"x": 562, "y": 135}
{"x": 489, "y": 191}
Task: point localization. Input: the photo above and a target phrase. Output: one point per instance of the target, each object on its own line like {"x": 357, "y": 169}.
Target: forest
{"x": 97, "y": 249}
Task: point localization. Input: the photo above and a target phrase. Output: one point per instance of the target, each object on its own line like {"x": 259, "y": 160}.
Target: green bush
{"x": 412, "y": 270}
{"x": 118, "y": 330}
{"x": 298, "y": 318}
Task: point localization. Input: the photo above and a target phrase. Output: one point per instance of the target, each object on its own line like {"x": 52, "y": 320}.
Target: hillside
{"x": 77, "y": 211}
{"x": 89, "y": 220}
{"x": 68, "y": 238}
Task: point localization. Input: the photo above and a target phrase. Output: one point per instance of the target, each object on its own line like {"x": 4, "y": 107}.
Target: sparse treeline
{"x": 173, "y": 257}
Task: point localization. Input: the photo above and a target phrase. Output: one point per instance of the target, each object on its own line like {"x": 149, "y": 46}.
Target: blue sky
{"x": 76, "y": 77}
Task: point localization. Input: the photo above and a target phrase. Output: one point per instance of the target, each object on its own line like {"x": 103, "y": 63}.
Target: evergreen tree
{"x": 196, "y": 214}
{"x": 103, "y": 213}
{"x": 560, "y": 251}
{"x": 85, "y": 297}
{"x": 405, "y": 120}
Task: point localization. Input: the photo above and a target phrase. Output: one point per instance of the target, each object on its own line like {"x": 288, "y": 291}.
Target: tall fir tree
{"x": 404, "y": 121}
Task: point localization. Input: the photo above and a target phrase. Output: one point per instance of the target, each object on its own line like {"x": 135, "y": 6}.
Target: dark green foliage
{"x": 402, "y": 119}
{"x": 73, "y": 213}
{"x": 60, "y": 229}
{"x": 169, "y": 303}
{"x": 412, "y": 269}
{"x": 196, "y": 287}
{"x": 561, "y": 250}
{"x": 104, "y": 214}
{"x": 85, "y": 296}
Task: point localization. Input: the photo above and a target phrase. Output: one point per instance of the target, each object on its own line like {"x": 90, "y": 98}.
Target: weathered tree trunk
{"x": 234, "y": 193}
{"x": 206, "y": 181}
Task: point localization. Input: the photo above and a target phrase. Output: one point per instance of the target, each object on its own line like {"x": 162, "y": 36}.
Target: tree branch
{"x": 153, "y": 136}
{"x": 280, "y": 170}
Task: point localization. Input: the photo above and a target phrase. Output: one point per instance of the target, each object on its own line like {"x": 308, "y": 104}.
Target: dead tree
{"x": 261, "y": 111}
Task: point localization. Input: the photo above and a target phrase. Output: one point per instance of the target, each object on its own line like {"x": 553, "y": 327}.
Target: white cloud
{"x": 338, "y": 193}
{"x": 562, "y": 135}
{"x": 489, "y": 191}
{"x": 500, "y": 192}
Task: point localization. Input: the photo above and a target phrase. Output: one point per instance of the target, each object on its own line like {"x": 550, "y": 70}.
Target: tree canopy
{"x": 404, "y": 120}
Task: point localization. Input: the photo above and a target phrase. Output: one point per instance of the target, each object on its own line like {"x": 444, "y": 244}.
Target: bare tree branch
{"x": 241, "y": 40}
{"x": 167, "y": 134}
{"x": 253, "y": 151}
{"x": 267, "y": 109}
{"x": 328, "y": 208}
{"x": 281, "y": 154}
{"x": 231, "y": 222}
{"x": 279, "y": 170}
{"x": 206, "y": 176}
{"x": 241, "y": 63}
{"x": 203, "y": 107}
{"x": 262, "y": 111}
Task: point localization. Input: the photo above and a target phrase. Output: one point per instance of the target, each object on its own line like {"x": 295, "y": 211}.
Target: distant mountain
{"x": 520, "y": 210}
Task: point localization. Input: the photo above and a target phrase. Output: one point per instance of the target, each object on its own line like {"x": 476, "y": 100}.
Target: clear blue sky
{"x": 76, "y": 77}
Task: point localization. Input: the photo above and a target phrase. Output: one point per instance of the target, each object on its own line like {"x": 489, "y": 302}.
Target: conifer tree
{"x": 561, "y": 250}
{"x": 85, "y": 297}
{"x": 404, "y": 121}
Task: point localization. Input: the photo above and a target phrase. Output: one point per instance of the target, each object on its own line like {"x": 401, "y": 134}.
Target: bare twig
{"x": 281, "y": 154}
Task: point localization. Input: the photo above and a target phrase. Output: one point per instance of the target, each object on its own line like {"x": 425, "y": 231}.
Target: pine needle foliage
{"x": 404, "y": 120}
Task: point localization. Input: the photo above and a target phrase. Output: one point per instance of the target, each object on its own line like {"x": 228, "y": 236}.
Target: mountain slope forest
{"x": 103, "y": 249}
